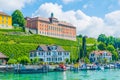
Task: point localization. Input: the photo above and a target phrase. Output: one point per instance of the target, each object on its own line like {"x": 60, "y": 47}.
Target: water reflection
{"x": 68, "y": 75}
{"x": 64, "y": 75}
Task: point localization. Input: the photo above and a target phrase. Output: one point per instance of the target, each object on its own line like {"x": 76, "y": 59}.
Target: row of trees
{"x": 103, "y": 42}
{"x": 109, "y": 43}
{"x": 109, "y": 40}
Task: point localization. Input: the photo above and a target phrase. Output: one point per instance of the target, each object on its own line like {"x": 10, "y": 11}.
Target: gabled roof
{"x": 101, "y": 52}
{"x": 2, "y": 56}
{"x": 44, "y": 48}
{"x": 47, "y": 48}
{"x": 4, "y": 14}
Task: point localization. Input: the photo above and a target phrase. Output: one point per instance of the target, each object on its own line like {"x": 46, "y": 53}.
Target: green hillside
{"x": 15, "y": 43}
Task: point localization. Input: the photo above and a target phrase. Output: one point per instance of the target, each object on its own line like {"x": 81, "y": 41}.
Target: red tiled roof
{"x": 101, "y": 52}
{"x": 47, "y": 20}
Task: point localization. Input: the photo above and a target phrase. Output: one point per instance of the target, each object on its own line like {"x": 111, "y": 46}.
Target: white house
{"x": 50, "y": 53}
{"x": 96, "y": 56}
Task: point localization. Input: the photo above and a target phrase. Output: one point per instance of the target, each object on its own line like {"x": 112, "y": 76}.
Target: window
{"x": 41, "y": 53}
{"x": 30, "y": 54}
{"x": 48, "y": 59}
{"x": 59, "y": 59}
{"x": 48, "y": 53}
{"x": 6, "y": 18}
{"x": 35, "y": 54}
{"x": 59, "y": 53}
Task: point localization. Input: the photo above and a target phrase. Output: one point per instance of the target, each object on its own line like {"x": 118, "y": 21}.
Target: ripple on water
{"x": 81, "y": 75}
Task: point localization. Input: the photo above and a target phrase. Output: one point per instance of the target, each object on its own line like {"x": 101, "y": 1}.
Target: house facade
{"x": 97, "y": 56}
{"x": 5, "y": 21}
{"x": 51, "y": 27}
{"x": 50, "y": 53}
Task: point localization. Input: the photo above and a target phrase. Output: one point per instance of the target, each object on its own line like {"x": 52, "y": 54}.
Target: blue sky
{"x": 90, "y": 17}
{"x": 90, "y": 7}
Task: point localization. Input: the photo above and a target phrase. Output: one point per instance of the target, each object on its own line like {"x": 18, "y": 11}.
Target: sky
{"x": 90, "y": 17}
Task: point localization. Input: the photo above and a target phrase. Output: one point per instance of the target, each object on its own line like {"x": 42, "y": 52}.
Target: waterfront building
{"x": 5, "y": 21}
{"x": 50, "y": 53}
{"x": 3, "y": 59}
{"x": 51, "y": 27}
{"x": 97, "y": 56}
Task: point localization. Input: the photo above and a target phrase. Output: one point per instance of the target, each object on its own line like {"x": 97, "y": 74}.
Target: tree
{"x": 101, "y": 46}
{"x": 12, "y": 61}
{"x": 110, "y": 40}
{"x": 18, "y": 18}
{"x": 67, "y": 60}
{"x": 102, "y": 38}
{"x": 80, "y": 36}
{"x": 115, "y": 56}
{"x": 84, "y": 46}
{"x": 110, "y": 48}
{"x": 86, "y": 60}
{"x": 35, "y": 60}
{"x": 23, "y": 60}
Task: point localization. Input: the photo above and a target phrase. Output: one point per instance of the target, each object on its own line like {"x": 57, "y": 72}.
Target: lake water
{"x": 68, "y": 75}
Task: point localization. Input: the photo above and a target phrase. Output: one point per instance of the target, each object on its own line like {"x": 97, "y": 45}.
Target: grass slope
{"x": 17, "y": 45}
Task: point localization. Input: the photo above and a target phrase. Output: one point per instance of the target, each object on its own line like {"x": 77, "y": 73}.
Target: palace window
{"x": 59, "y": 53}
{"x": 59, "y": 59}
{"x": 48, "y": 59}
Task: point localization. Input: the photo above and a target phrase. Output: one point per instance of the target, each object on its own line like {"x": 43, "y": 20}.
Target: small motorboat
{"x": 61, "y": 67}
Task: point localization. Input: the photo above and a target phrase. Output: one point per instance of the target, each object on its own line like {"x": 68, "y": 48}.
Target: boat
{"x": 61, "y": 67}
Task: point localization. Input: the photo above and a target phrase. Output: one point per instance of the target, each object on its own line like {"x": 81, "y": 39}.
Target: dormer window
{"x": 53, "y": 47}
{"x": 39, "y": 49}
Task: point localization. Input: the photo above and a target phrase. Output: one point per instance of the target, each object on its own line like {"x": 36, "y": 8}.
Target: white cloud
{"x": 86, "y": 25}
{"x": 85, "y": 6}
{"x": 67, "y": 1}
{"x": 11, "y": 5}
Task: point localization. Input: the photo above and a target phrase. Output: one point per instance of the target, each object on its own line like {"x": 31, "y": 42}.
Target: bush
{"x": 12, "y": 61}
{"x": 86, "y": 60}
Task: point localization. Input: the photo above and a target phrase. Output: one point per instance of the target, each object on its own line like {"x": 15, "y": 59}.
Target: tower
{"x": 52, "y": 15}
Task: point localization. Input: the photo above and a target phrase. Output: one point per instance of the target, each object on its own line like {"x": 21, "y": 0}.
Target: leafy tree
{"x": 115, "y": 56}
{"x": 35, "y": 60}
{"x": 84, "y": 46}
{"x": 12, "y": 61}
{"x": 67, "y": 60}
{"x": 102, "y": 38}
{"x": 80, "y": 35}
{"x": 18, "y": 18}
{"x": 110, "y": 40}
{"x": 101, "y": 46}
{"x": 110, "y": 48}
{"x": 23, "y": 60}
{"x": 86, "y": 60}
